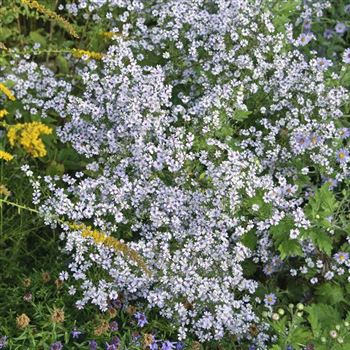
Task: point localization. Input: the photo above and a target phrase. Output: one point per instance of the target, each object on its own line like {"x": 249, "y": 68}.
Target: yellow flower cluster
{"x": 5, "y": 156}
{"x": 52, "y": 15}
{"x": 91, "y": 54}
{"x": 111, "y": 35}
{"x": 27, "y": 135}
{"x": 7, "y": 92}
{"x": 101, "y": 238}
{"x": 3, "y": 113}
{"x": 4, "y": 191}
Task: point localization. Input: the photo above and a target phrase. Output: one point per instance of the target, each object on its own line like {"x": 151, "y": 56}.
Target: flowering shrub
{"x": 214, "y": 161}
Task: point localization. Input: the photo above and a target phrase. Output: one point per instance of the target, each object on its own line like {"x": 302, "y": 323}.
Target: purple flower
{"x": 252, "y": 347}
{"x": 347, "y": 8}
{"x": 92, "y": 345}
{"x": 346, "y": 56}
{"x": 56, "y": 346}
{"x": 153, "y": 346}
{"x": 113, "y": 326}
{"x": 344, "y": 133}
{"x": 315, "y": 139}
{"x": 76, "y": 333}
{"x": 268, "y": 269}
{"x": 340, "y": 28}
{"x": 3, "y": 342}
{"x": 304, "y": 39}
{"x": 301, "y": 142}
{"x": 307, "y": 24}
{"x": 141, "y": 319}
{"x": 341, "y": 257}
{"x": 331, "y": 182}
{"x": 270, "y": 299}
{"x": 116, "y": 303}
{"x": 328, "y": 33}
{"x": 180, "y": 346}
{"x": 114, "y": 344}
{"x": 323, "y": 63}
{"x": 115, "y": 341}
{"x": 168, "y": 345}
{"x": 343, "y": 156}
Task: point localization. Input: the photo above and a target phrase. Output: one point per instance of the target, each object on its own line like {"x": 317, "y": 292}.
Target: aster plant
{"x": 210, "y": 141}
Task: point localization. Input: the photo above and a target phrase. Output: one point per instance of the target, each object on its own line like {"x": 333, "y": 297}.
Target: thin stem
{"x": 18, "y": 206}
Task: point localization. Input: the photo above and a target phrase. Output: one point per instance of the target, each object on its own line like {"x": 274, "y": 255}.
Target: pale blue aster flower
{"x": 343, "y": 156}
{"x": 270, "y": 299}
{"x": 341, "y": 257}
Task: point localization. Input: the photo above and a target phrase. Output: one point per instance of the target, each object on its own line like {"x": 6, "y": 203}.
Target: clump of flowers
{"x": 5, "y": 156}
{"x": 3, "y": 113}
{"x": 28, "y": 136}
{"x": 197, "y": 165}
{"x": 22, "y": 321}
{"x": 57, "y": 315}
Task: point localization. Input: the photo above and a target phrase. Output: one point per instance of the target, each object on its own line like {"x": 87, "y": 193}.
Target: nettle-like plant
{"x": 206, "y": 135}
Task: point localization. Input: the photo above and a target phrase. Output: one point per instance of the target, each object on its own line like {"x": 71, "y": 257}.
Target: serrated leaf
{"x": 290, "y": 248}
{"x": 321, "y": 205}
{"x": 330, "y": 293}
{"x": 298, "y": 336}
{"x": 241, "y": 115}
{"x": 313, "y": 319}
{"x": 249, "y": 239}
{"x": 321, "y": 239}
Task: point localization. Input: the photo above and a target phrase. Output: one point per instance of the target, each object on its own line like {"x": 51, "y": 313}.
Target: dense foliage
{"x": 175, "y": 174}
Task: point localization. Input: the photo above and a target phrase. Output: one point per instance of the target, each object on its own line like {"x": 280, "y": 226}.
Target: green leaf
{"x": 313, "y": 319}
{"x": 280, "y": 233}
{"x": 322, "y": 317}
{"x": 299, "y": 335}
{"x": 249, "y": 239}
{"x": 241, "y": 115}
{"x": 330, "y": 293}
{"x": 62, "y": 64}
{"x": 265, "y": 209}
{"x": 321, "y": 239}
{"x": 283, "y": 10}
{"x": 36, "y": 37}
{"x": 290, "y": 248}
{"x": 321, "y": 205}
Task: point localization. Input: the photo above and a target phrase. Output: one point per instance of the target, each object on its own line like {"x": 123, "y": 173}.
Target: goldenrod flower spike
{"x": 112, "y": 35}
{"x": 52, "y": 15}
{"x": 91, "y": 54}
{"x": 101, "y": 238}
{"x": 7, "y": 92}
{"x": 3, "y": 113}
{"x": 5, "y": 156}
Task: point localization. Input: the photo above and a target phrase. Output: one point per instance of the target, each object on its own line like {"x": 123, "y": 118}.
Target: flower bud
{"x": 300, "y": 306}
{"x": 333, "y": 334}
{"x": 275, "y": 317}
